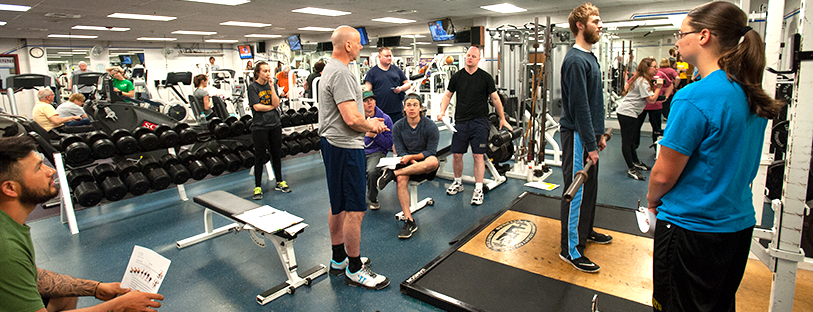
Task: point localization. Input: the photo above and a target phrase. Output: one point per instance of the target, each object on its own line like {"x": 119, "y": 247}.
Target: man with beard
{"x": 25, "y": 182}
{"x": 388, "y": 83}
{"x": 582, "y": 125}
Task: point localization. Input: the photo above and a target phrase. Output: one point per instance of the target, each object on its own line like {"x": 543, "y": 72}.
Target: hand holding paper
{"x": 448, "y": 122}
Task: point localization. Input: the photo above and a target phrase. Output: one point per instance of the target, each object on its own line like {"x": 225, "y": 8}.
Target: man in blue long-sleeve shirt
{"x": 376, "y": 146}
{"x": 582, "y": 124}
{"x": 416, "y": 140}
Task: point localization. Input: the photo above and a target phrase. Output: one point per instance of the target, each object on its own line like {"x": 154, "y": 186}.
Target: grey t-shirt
{"x": 338, "y": 85}
{"x": 633, "y": 104}
{"x": 69, "y": 109}
{"x": 84, "y": 89}
{"x": 263, "y": 94}
{"x": 200, "y": 94}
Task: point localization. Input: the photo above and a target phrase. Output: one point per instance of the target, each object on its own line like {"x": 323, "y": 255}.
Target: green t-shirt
{"x": 123, "y": 85}
{"x": 18, "y": 285}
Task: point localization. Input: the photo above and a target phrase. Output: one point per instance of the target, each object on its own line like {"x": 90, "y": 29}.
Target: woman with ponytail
{"x": 641, "y": 89}
{"x": 266, "y": 128}
{"x": 699, "y": 187}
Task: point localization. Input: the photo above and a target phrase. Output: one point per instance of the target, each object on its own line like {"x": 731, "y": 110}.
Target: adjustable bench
{"x": 414, "y": 204}
{"x": 231, "y": 207}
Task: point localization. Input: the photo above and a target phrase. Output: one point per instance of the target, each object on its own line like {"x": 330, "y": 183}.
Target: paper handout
{"x": 146, "y": 270}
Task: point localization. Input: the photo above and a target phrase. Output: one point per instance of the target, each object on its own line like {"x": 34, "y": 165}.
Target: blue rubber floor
{"x": 226, "y": 273}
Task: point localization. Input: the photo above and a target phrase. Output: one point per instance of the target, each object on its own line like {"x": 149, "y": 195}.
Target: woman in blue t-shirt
{"x": 699, "y": 187}
{"x": 640, "y": 90}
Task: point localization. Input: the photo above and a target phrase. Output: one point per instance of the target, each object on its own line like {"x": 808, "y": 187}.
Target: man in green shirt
{"x": 120, "y": 84}
{"x": 25, "y": 182}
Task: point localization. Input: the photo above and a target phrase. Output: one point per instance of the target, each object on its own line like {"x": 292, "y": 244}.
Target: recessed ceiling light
{"x": 2, "y": 23}
{"x": 318, "y": 11}
{"x": 503, "y": 8}
{"x": 393, "y": 20}
{"x": 223, "y": 2}
{"x": 403, "y": 48}
{"x": 100, "y": 28}
{"x": 72, "y": 36}
{"x": 262, "y": 36}
{"x": 445, "y": 45}
{"x": 221, "y": 40}
{"x": 156, "y": 39}
{"x": 194, "y": 32}
{"x": 412, "y": 36}
{"x": 142, "y": 17}
{"x": 244, "y": 24}
{"x": 12, "y": 7}
{"x": 420, "y": 43}
{"x": 312, "y": 28}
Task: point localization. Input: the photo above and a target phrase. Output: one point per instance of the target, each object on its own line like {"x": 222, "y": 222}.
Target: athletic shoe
{"x": 283, "y": 186}
{"x": 409, "y": 228}
{"x": 599, "y": 238}
{"x": 374, "y": 205}
{"x": 386, "y": 177}
{"x": 477, "y": 197}
{"x": 366, "y": 278}
{"x": 582, "y": 264}
{"x": 641, "y": 166}
{"x": 455, "y": 188}
{"x": 635, "y": 174}
{"x": 258, "y": 193}
{"x": 337, "y": 268}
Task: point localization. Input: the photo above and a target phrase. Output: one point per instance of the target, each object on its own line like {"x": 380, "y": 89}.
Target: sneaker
{"x": 635, "y": 174}
{"x": 337, "y": 268}
{"x": 477, "y": 197}
{"x": 409, "y": 228}
{"x": 454, "y": 188}
{"x": 283, "y": 186}
{"x": 386, "y": 177}
{"x": 374, "y": 205}
{"x": 599, "y": 238}
{"x": 366, "y": 278}
{"x": 641, "y": 166}
{"x": 582, "y": 264}
{"x": 258, "y": 193}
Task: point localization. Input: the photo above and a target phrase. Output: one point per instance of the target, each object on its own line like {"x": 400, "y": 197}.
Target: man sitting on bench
{"x": 416, "y": 140}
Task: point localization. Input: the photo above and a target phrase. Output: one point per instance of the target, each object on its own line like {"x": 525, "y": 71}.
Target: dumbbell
{"x": 233, "y": 163}
{"x": 197, "y": 169}
{"x": 246, "y": 156}
{"x": 219, "y": 128}
{"x": 292, "y": 145}
{"x": 147, "y": 140}
{"x": 310, "y": 115}
{"x": 188, "y": 136}
{"x": 215, "y": 164}
{"x": 315, "y": 139}
{"x": 101, "y": 144}
{"x": 159, "y": 178}
{"x": 176, "y": 170}
{"x": 247, "y": 120}
{"x": 132, "y": 176}
{"x": 315, "y": 112}
{"x": 114, "y": 189}
{"x": 285, "y": 120}
{"x": 305, "y": 144}
{"x": 505, "y": 136}
{"x": 167, "y": 136}
{"x": 296, "y": 118}
{"x": 125, "y": 142}
{"x": 236, "y": 127}
{"x": 84, "y": 187}
{"x": 76, "y": 150}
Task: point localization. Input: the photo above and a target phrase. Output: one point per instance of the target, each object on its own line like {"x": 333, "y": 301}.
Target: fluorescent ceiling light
{"x": 262, "y": 36}
{"x": 222, "y": 40}
{"x": 393, "y": 20}
{"x": 82, "y": 27}
{"x": 79, "y": 50}
{"x": 318, "y": 11}
{"x": 503, "y": 8}
{"x": 312, "y": 28}
{"x": 156, "y": 39}
{"x": 65, "y": 53}
{"x": 658, "y": 22}
{"x": 2, "y": 23}
{"x": 194, "y": 32}
{"x": 223, "y": 2}
{"x": 403, "y": 48}
{"x": 12, "y": 7}
{"x": 413, "y": 36}
{"x": 142, "y": 17}
{"x": 72, "y": 36}
{"x": 244, "y": 24}
{"x": 420, "y": 43}
{"x": 445, "y": 45}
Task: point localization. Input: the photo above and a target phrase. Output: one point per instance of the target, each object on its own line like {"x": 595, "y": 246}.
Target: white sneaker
{"x": 477, "y": 197}
{"x": 337, "y": 268}
{"x": 455, "y": 188}
{"x": 366, "y": 278}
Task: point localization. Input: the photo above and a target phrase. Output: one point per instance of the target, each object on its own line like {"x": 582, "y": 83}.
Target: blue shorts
{"x": 346, "y": 177}
{"x": 472, "y": 132}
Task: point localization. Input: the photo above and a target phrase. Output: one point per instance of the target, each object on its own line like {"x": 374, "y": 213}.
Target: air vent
{"x": 402, "y": 11}
{"x": 62, "y": 15}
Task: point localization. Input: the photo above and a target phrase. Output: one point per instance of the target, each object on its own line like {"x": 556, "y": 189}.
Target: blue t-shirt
{"x": 383, "y": 82}
{"x": 423, "y": 139}
{"x": 723, "y": 140}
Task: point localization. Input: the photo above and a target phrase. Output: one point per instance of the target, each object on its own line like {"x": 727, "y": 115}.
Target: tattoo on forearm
{"x": 54, "y": 285}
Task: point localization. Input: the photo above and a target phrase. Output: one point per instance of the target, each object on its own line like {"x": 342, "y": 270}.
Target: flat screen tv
{"x": 125, "y": 59}
{"x": 442, "y": 30}
{"x": 245, "y": 52}
{"x": 294, "y": 43}
{"x": 389, "y": 41}
{"x": 363, "y": 32}
{"x": 324, "y": 46}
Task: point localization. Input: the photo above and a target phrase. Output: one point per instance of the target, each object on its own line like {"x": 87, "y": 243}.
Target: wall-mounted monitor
{"x": 363, "y": 32}
{"x": 442, "y": 30}
{"x": 324, "y": 46}
{"x": 294, "y": 43}
{"x": 245, "y": 52}
{"x": 125, "y": 59}
{"x": 389, "y": 41}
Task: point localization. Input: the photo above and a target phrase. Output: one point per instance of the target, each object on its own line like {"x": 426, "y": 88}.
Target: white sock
{"x": 458, "y": 180}
{"x": 478, "y": 186}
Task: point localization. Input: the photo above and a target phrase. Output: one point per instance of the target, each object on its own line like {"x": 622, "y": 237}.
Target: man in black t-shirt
{"x": 317, "y": 72}
{"x": 474, "y": 87}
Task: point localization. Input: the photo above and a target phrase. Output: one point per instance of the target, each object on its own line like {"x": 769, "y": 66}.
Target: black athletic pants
{"x": 577, "y": 215}
{"x": 630, "y": 136}
{"x": 267, "y": 141}
{"x": 654, "y": 121}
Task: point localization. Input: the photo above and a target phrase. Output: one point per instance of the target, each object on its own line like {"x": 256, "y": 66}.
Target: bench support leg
{"x": 285, "y": 250}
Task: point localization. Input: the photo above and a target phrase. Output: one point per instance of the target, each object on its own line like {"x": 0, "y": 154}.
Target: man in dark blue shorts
{"x": 474, "y": 87}
{"x": 342, "y": 127}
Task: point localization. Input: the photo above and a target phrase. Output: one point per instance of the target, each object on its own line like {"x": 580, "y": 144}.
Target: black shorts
{"x": 472, "y": 132}
{"x": 429, "y": 176}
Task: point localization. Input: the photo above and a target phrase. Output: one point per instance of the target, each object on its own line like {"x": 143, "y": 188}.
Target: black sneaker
{"x": 582, "y": 264}
{"x": 599, "y": 238}
{"x": 409, "y": 228}
{"x": 641, "y": 166}
{"x": 386, "y": 177}
{"x": 635, "y": 174}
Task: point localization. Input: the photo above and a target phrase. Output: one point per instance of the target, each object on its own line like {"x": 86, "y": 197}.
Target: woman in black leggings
{"x": 266, "y": 128}
{"x": 640, "y": 90}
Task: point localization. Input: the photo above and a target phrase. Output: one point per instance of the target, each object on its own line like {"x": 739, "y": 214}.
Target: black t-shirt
{"x": 311, "y": 77}
{"x": 262, "y": 94}
{"x": 473, "y": 92}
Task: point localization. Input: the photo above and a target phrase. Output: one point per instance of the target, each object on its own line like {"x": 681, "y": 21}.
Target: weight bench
{"x": 414, "y": 204}
{"x": 231, "y": 206}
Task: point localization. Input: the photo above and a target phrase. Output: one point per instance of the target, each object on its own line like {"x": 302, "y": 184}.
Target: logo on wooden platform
{"x": 511, "y": 235}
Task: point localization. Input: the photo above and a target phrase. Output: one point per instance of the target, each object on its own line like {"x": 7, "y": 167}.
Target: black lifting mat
{"x": 462, "y": 280}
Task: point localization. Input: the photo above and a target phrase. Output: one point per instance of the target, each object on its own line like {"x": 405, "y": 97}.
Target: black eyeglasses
{"x": 679, "y": 35}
